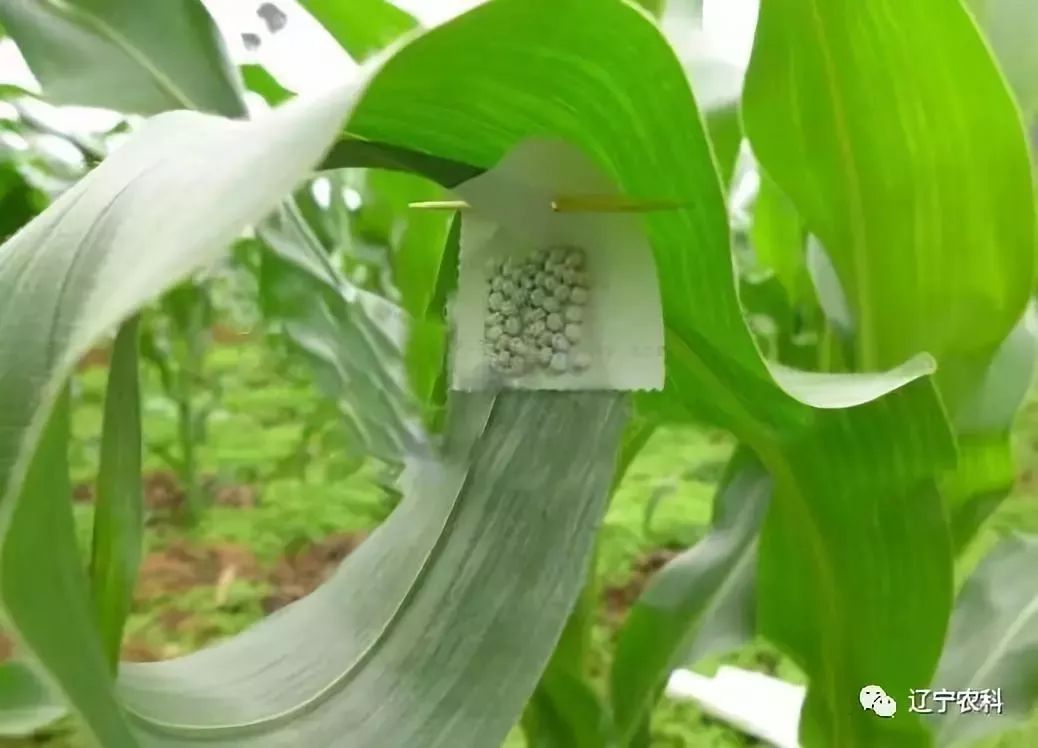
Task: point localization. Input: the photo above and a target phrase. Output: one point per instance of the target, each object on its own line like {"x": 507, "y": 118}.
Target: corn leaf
{"x": 118, "y": 514}
{"x": 354, "y": 339}
{"x": 19, "y": 201}
{"x": 565, "y": 709}
{"x": 986, "y": 471}
{"x": 415, "y": 637}
{"x": 26, "y": 705}
{"x": 1009, "y": 27}
{"x": 566, "y": 712}
{"x": 141, "y": 56}
{"x": 485, "y": 519}
{"x": 352, "y": 151}
{"x": 916, "y": 182}
{"x": 921, "y": 197}
{"x": 68, "y": 277}
{"x": 779, "y": 242}
{"x": 362, "y": 27}
{"x": 853, "y": 460}
{"x": 993, "y": 642}
{"x": 415, "y": 239}
{"x": 691, "y": 592}
{"x": 847, "y": 483}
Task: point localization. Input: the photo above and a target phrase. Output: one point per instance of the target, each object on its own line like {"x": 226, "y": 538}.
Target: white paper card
{"x": 621, "y": 335}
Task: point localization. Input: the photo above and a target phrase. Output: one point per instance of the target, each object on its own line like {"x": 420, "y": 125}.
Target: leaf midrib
{"x": 858, "y": 224}
{"x": 96, "y": 25}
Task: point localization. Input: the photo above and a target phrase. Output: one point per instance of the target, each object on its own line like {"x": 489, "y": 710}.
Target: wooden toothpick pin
{"x": 440, "y": 205}
{"x": 574, "y": 204}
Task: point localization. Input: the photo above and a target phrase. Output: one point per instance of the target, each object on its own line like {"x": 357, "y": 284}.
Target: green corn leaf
{"x": 426, "y": 356}
{"x": 565, "y": 711}
{"x": 75, "y": 272}
{"x": 926, "y": 212}
{"x": 258, "y": 80}
{"x": 354, "y": 339}
{"x": 439, "y": 599}
{"x": 779, "y": 241}
{"x": 58, "y": 631}
{"x": 847, "y": 482}
{"x": 26, "y": 705}
{"x": 652, "y": 7}
{"x": 699, "y": 603}
{"x": 415, "y": 239}
{"x": 992, "y": 643}
{"x": 492, "y": 560}
{"x": 351, "y": 329}
{"x": 987, "y": 471}
{"x": 352, "y": 151}
{"x": 118, "y": 516}
{"x": 141, "y": 56}
{"x": 362, "y": 27}
{"x": 724, "y": 127}
{"x": 828, "y": 545}
{"x": 925, "y": 208}
{"x": 18, "y": 200}
{"x": 1009, "y": 27}
{"x": 132, "y": 29}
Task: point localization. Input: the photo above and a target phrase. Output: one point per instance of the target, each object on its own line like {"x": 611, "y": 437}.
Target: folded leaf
{"x": 667, "y": 622}
{"x": 917, "y": 185}
{"x": 118, "y": 514}
{"x": 916, "y": 182}
{"x": 414, "y": 641}
{"x": 992, "y": 643}
{"x": 848, "y": 483}
{"x": 140, "y": 56}
{"x": 477, "y": 101}
{"x": 71, "y": 275}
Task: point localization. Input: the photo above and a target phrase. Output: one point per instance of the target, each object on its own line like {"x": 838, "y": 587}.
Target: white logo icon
{"x": 876, "y": 699}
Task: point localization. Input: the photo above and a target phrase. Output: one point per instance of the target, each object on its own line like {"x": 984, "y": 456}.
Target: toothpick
{"x": 440, "y": 205}
{"x": 574, "y": 204}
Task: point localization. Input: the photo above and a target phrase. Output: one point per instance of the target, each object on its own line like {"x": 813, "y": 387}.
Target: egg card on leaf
{"x": 550, "y": 299}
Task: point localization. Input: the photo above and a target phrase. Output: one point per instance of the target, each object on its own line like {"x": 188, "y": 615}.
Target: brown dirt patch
{"x": 619, "y": 598}
{"x": 183, "y": 565}
{"x": 237, "y": 495}
{"x": 298, "y": 574}
{"x": 164, "y": 496}
{"x": 226, "y": 335}
{"x": 94, "y": 358}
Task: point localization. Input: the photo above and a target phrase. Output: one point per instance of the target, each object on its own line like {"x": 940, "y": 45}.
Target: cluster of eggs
{"x": 535, "y": 312}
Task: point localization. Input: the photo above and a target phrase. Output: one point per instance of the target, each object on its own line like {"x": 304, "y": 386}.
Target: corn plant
{"x": 886, "y": 131}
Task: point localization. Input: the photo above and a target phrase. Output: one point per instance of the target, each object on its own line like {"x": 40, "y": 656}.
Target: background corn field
{"x": 240, "y": 504}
